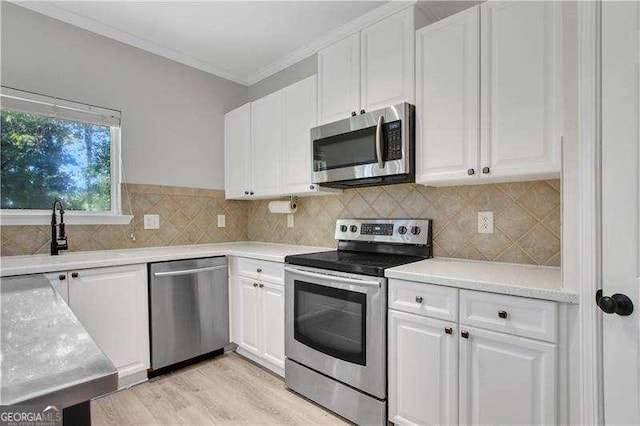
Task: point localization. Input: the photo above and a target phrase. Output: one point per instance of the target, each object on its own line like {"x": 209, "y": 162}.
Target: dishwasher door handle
{"x": 189, "y": 271}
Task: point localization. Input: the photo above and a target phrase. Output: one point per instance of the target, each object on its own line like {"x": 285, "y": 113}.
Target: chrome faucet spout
{"x": 58, "y": 237}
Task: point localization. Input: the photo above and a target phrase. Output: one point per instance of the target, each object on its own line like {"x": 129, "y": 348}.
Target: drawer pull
{"x": 502, "y": 314}
{"x": 464, "y": 334}
{"x": 258, "y": 270}
{"x": 62, "y": 277}
{"x": 419, "y": 299}
{"x": 448, "y": 330}
{"x": 74, "y": 275}
{"x": 255, "y": 284}
{"x": 260, "y": 285}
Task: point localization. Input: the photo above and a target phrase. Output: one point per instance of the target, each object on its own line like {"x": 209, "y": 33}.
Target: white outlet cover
{"x": 485, "y": 222}
{"x": 151, "y": 221}
{"x": 222, "y": 220}
{"x": 289, "y": 220}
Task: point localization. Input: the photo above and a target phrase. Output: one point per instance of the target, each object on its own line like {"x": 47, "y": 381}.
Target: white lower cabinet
{"x": 445, "y": 372}
{"x": 423, "y": 370}
{"x": 112, "y": 305}
{"x": 257, "y": 311}
{"x": 506, "y": 379}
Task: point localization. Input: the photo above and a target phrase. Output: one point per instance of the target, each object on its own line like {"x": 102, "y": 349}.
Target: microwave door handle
{"x": 379, "y": 142}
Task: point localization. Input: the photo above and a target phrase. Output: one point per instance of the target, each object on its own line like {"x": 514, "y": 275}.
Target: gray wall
{"x": 172, "y": 115}
{"x": 296, "y": 72}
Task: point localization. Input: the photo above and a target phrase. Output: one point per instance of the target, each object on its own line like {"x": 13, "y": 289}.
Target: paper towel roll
{"x": 283, "y": 206}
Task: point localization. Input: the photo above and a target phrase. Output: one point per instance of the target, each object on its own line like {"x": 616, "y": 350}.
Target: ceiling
{"x": 243, "y": 41}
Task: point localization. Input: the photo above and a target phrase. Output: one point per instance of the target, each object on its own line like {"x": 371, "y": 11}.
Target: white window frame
{"x": 53, "y": 107}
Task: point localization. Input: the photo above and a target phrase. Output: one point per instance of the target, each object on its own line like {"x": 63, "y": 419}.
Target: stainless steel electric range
{"x": 336, "y": 314}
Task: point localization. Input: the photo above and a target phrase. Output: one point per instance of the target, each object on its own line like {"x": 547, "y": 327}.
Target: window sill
{"x": 70, "y": 218}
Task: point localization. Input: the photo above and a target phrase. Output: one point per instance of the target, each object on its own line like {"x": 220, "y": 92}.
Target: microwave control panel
{"x": 394, "y": 140}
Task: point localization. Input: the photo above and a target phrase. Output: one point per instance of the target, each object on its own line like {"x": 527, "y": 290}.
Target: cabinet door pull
{"x": 362, "y": 111}
{"x": 74, "y": 275}
{"x": 471, "y": 172}
{"x": 261, "y": 285}
{"x": 448, "y": 330}
{"x": 353, "y": 113}
{"x": 62, "y": 277}
{"x": 486, "y": 170}
{"x": 258, "y": 270}
{"x": 464, "y": 334}
{"x": 312, "y": 187}
{"x": 502, "y": 314}
{"x": 255, "y": 284}
{"x": 250, "y": 192}
{"x": 246, "y": 192}
{"x": 419, "y": 299}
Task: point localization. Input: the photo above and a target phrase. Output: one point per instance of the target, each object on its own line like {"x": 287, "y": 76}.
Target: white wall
{"x": 172, "y": 115}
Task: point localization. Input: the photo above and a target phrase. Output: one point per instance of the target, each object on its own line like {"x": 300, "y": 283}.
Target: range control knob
{"x": 353, "y": 228}
{"x": 402, "y": 230}
{"x": 343, "y": 228}
{"x": 415, "y": 230}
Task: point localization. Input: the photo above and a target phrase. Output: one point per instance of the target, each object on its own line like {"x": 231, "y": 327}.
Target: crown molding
{"x": 339, "y": 33}
{"x": 60, "y": 13}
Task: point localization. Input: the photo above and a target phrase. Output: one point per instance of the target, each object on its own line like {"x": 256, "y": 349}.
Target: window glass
{"x": 44, "y": 158}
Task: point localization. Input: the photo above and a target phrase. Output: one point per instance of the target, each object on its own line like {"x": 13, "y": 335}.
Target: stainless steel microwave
{"x": 374, "y": 148}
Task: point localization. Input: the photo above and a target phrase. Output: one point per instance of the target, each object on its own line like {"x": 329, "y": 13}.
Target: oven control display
{"x": 376, "y": 229}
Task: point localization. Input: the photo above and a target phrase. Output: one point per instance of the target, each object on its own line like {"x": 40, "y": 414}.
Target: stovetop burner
{"x": 369, "y": 246}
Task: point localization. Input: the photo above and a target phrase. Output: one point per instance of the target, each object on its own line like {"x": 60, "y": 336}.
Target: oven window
{"x": 331, "y": 320}
{"x": 345, "y": 150}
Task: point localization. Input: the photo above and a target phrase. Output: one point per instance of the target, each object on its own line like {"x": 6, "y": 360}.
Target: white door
{"x": 620, "y": 207}
{"x": 272, "y": 322}
{"x": 423, "y": 370}
{"x": 299, "y": 115}
{"x": 112, "y": 305}
{"x": 448, "y": 90}
{"x": 387, "y": 61}
{"x": 237, "y": 148}
{"x": 506, "y": 379}
{"x": 521, "y": 110}
{"x": 339, "y": 80}
{"x": 266, "y": 142}
{"x": 250, "y": 316}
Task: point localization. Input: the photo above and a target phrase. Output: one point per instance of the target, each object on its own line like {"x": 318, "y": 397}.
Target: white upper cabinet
{"x": 506, "y": 379}
{"x": 489, "y": 95}
{"x": 521, "y": 89}
{"x": 368, "y": 70}
{"x": 266, "y": 143}
{"x": 300, "y": 107}
{"x": 448, "y": 92}
{"x": 237, "y": 148}
{"x": 387, "y": 61}
{"x": 339, "y": 79}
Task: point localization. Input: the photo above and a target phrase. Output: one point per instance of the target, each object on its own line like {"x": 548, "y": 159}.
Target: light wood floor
{"x": 225, "y": 390}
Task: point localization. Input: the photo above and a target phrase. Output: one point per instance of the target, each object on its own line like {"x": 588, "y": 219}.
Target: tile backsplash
{"x": 187, "y": 216}
{"x": 526, "y": 218}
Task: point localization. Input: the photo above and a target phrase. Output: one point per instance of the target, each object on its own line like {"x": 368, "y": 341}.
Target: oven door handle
{"x": 345, "y": 280}
{"x": 379, "y": 142}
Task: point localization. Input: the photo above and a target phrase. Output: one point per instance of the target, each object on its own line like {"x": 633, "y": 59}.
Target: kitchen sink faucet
{"x": 58, "y": 237}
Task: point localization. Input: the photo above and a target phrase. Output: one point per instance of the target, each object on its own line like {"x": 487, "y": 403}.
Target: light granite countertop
{"x": 539, "y": 282}
{"x": 47, "y": 355}
{"x": 34, "y": 264}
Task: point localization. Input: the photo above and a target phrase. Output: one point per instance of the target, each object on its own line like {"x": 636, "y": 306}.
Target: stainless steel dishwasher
{"x": 189, "y": 309}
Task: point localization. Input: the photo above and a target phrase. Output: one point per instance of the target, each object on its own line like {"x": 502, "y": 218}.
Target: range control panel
{"x": 398, "y": 231}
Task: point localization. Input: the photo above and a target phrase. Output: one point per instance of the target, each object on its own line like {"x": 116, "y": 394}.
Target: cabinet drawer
{"x": 509, "y": 314}
{"x": 261, "y": 269}
{"x": 424, "y": 299}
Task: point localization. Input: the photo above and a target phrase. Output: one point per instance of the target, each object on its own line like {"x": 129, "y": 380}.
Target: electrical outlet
{"x": 289, "y": 220}
{"x": 222, "y": 221}
{"x": 485, "y": 222}
{"x": 151, "y": 221}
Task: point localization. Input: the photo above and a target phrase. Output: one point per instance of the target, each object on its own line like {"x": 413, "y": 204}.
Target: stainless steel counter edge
{"x": 37, "y": 264}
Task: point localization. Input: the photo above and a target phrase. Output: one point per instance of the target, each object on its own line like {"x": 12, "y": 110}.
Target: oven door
{"x": 374, "y": 144}
{"x": 335, "y": 323}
